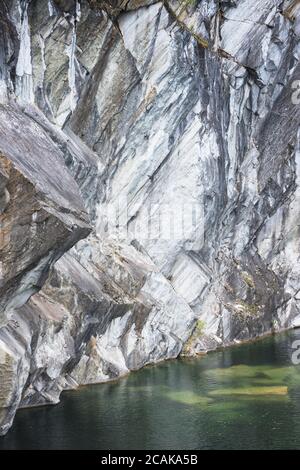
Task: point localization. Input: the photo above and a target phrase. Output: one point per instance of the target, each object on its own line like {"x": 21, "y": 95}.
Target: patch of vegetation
{"x": 197, "y": 333}
{"x": 248, "y": 279}
{"x": 190, "y": 3}
{"x": 245, "y": 308}
{"x": 200, "y": 327}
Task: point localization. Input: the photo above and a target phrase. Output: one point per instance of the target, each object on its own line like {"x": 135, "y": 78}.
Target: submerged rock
{"x": 181, "y": 118}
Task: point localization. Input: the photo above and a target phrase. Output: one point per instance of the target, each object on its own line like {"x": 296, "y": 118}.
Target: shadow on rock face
{"x": 66, "y": 5}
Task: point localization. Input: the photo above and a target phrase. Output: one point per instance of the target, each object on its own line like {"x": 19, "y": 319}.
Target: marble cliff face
{"x": 149, "y": 107}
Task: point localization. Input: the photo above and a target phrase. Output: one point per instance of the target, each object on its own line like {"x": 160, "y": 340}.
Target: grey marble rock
{"x": 182, "y": 117}
{"x": 42, "y": 214}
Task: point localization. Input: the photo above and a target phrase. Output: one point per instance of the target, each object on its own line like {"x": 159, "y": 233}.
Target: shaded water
{"x": 245, "y": 397}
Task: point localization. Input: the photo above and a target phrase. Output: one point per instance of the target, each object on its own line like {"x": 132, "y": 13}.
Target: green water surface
{"x": 244, "y": 397}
